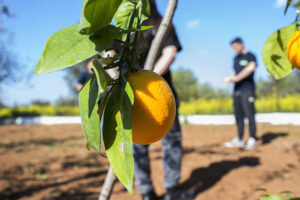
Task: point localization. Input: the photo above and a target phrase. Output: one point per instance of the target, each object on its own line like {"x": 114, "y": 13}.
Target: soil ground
{"x": 51, "y": 162}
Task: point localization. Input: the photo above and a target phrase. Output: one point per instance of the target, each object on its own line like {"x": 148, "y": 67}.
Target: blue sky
{"x": 204, "y": 28}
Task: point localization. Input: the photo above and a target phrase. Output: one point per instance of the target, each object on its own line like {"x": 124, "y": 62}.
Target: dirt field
{"x": 51, "y": 162}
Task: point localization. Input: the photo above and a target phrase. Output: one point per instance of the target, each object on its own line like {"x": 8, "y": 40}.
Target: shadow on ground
{"x": 20, "y": 189}
{"x": 37, "y": 142}
{"x": 204, "y": 178}
{"x": 268, "y": 137}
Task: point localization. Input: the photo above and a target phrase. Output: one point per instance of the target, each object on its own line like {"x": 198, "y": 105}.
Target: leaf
{"x": 288, "y": 3}
{"x": 142, "y": 28}
{"x": 272, "y": 197}
{"x": 103, "y": 79}
{"x": 97, "y": 14}
{"x": 63, "y": 49}
{"x": 117, "y": 133}
{"x": 88, "y": 110}
{"x": 105, "y": 37}
{"x": 67, "y": 47}
{"x": 125, "y": 12}
{"x": 274, "y": 52}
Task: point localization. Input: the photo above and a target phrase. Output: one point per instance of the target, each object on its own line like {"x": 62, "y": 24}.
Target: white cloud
{"x": 192, "y": 24}
{"x": 280, "y": 3}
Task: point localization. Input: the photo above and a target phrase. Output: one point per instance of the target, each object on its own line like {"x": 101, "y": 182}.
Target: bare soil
{"x": 51, "y": 162}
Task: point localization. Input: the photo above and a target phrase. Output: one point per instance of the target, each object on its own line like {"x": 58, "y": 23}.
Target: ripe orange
{"x": 154, "y": 107}
{"x": 293, "y": 49}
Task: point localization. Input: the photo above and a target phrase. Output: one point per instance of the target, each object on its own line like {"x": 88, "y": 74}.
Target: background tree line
{"x": 189, "y": 89}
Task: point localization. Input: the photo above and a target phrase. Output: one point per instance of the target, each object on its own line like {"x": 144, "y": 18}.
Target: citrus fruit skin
{"x": 293, "y": 49}
{"x": 154, "y": 107}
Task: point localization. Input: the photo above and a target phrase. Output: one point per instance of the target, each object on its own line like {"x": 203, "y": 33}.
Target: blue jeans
{"x": 172, "y": 156}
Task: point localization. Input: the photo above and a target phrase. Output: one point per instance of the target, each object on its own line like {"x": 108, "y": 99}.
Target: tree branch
{"x": 161, "y": 34}
{"x": 108, "y": 185}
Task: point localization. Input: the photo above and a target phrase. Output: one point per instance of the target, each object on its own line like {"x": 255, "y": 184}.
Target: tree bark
{"x": 161, "y": 34}
{"x": 108, "y": 185}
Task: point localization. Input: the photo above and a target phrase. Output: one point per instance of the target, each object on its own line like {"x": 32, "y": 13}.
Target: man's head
{"x": 237, "y": 46}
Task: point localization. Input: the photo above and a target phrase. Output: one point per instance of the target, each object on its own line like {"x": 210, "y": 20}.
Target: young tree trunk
{"x": 108, "y": 185}
{"x": 161, "y": 34}
{"x": 152, "y": 55}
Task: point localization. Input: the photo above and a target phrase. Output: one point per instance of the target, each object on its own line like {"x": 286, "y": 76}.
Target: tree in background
{"x": 67, "y": 101}
{"x": 188, "y": 88}
{"x": 286, "y": 86}
{"x": 186, "y": 84}
{"x": 289, "y": 85}
{"x": 8, "y": 61}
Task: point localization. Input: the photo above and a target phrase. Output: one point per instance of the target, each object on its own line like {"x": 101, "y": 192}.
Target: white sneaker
{"x": 235, "y": 143}
{"x": 251, "y": 144}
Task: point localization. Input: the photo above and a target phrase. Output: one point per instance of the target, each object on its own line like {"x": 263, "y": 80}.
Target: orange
{"x": 154, "y": 107}
{"x": 293, "y": 49}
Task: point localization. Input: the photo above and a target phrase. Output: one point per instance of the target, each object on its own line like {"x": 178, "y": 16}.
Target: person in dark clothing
{"x": 85, "y": 76}
{"x": 243, "y": 95}
{"x": 172, "y": 147}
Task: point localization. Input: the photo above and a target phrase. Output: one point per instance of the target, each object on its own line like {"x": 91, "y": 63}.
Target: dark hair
{"x": 154, "y": 19}
{"x": 237, "y": 40}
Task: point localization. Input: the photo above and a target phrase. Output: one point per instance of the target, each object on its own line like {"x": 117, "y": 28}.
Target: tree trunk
{"x": 108, "y": 185}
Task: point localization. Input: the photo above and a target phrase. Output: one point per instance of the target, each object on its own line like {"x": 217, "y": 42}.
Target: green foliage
{"x": 274, "y": 52}
{"x": 40, "y": 103}
{"x": 67, "y": 47}
{"x": 68, "y": 101}
{"x": 188, "y": 88}
{"x": 128, "y": 9}
{"x": 206, "y": 107}
{"x": 294, "y": 3}
{"x": 63, "y": 49}
{"x": 268, "y": 196}
{"x": 36, "y": 110}
{"x": 288, "y": 85}
{"x": 118, "y": 132}
{"x": 186, "y": 84}
{"x": 97, "y": 14}
{"x": 288, "y": 3}
{"x": 102, "y": 96}
{"x": 202, "y": 106}
{"x": 90, "y": 119}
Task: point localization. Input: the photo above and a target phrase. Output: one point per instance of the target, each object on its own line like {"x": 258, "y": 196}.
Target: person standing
{"x": 172, "y": 147}
{"x": 244, "y": 94}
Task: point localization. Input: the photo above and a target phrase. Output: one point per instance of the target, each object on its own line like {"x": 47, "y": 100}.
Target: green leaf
{"x": 67, "y": 47}
{"x": 142, "y": 28}
{"x": 104, "y": 38}
{"x": 126, "y": 10}
{"x": 274, "y": 52}
{"x": 103, "y": 79}
{"x": 88, "y": 110}
{"x": 63, "y": 49}
{"x": 97, "y": 14}
{"x": 272, "y": 197}
{"x": 288, "y": 3}
{"x": 117, "y": 133}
